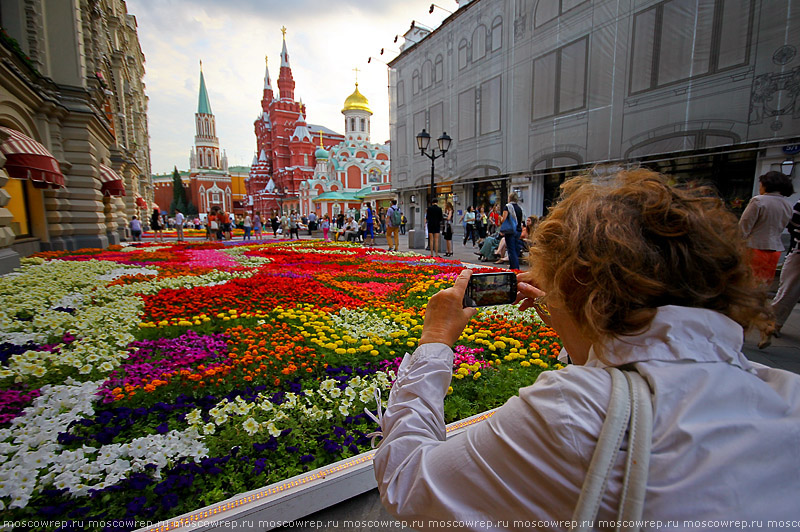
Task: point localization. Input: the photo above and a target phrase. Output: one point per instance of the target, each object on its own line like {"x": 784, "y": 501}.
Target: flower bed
{"x": 142, "y": 382}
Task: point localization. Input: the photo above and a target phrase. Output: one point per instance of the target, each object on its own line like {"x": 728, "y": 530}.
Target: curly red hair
{"x": 613, "y": 250}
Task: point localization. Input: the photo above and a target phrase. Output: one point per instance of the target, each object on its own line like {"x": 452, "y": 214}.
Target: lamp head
{"x": 444, "y": 142}
{"x": 423, "y": 141}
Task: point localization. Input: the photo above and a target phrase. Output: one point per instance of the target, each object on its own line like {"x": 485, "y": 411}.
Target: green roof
{"x": 203, "y": 105}
{"x": 338, "y": 196}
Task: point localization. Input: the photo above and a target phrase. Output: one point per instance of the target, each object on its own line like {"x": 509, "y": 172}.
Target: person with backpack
{"x": 393, "y": 220}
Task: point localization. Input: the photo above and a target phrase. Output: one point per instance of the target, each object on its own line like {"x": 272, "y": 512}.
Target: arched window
{"x": 363, "y": 124}
{"x": 497, "y": 33}
{"x": 415, "y": 82}
{"x": 438, "y": 69}
{"x": 352, "y": 124}
{"x": 479, "y": 42}
{"x": 427, "y": 74}
{"x": 462, "y": 54}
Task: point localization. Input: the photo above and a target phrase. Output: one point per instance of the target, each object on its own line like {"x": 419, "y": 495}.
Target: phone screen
{"x": 486, "y": 289}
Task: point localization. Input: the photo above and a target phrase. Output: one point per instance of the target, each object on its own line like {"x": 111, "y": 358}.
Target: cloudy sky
{"x": 326, "y": 40}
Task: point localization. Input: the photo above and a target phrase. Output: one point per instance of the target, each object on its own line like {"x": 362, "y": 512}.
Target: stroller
{"x": 489, "y": 246}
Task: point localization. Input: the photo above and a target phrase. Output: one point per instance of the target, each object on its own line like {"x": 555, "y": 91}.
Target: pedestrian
{"x": 227, "y": 225}
{"x": 433, "y": 222}
{"x": 136, "y": 229}
{"x": 275, "y": 223}
{"x": 369, "y": 229}
{"x": 382, "y": 220}
{"x": 156, "y": 226}
{"x": 706, "y": 412}
{"x": 788, "y": 285}
{"x": 392, "y": 220}
{"x": 248, "y": 226}
{"x": 514, "y": 212}
{"x": 447, "y": 230}
{"x": 179, "y": 219}
{"x": 326, "y": 226}
{"x": 312, "y": 222}
{"x": 481, "y": 224}
{"x": 763, "y": 221}
{"x": 494, "y": 219}
{"x": 468, "y": 218}
{"x": 257, "y": 225}
{"x": 293, "y": 220}
{"x": 403, "y": 222}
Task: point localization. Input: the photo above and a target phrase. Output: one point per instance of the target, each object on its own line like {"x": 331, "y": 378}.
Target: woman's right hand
{"x": 529, "y": 296}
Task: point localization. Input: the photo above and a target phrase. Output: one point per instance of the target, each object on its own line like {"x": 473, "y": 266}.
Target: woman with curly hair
{"x": 631, "y": 273}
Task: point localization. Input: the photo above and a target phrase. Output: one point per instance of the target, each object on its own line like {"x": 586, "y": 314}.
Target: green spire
{"x": 203, "y": 105}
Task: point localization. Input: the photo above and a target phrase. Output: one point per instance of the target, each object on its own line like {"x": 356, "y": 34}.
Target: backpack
{"x": 396, "y": 220}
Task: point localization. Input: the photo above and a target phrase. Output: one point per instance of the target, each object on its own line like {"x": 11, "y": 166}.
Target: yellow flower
{"x": 449, "y": 390}
{"x": 476, "y": 376}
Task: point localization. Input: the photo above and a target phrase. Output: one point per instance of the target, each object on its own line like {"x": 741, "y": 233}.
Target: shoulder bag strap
{"x": 630, "y": 407}
{"x": 640, "y": 437}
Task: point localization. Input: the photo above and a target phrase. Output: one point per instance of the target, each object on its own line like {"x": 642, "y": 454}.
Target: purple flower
{"x": 331, "y": 447}
{"x": 135, "y": 506}
{"x": 169, "y": 501}
{"x": 306, "y": 458}
{"x": 162, "y": 428}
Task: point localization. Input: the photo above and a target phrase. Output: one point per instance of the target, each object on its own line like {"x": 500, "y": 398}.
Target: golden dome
{"x": 356, "y": 102}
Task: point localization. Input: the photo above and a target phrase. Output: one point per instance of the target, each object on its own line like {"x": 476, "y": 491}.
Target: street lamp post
{"x": 423, "y": 141}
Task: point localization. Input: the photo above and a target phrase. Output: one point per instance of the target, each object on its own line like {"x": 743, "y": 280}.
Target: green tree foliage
{"x": 180, "y": 199}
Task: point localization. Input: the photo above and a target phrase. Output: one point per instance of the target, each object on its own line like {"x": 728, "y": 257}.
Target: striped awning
{"x": 112, "y": 183}
{"x": 141, "y": 202}
{"x": 28, "y": 159}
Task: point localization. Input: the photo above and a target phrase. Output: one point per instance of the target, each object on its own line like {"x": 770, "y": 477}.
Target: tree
{"x": 179, "y": 199}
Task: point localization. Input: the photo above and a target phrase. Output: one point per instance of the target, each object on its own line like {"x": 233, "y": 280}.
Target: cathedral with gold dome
{"x": 310, "y": 168}
{"x": 351, "y": 172}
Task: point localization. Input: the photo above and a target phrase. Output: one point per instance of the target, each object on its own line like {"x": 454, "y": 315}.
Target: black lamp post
{"x": 423, "y": 141}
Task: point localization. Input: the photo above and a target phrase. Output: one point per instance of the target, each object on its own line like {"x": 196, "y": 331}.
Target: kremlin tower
{"x": 310, "y": 168}
{"x": 284, "y": 155}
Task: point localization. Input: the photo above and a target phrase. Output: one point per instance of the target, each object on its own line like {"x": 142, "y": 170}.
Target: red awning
{"x": 112, "y": 183}
{"x": 141, "y": 202}
{"x": 28, "y": 159}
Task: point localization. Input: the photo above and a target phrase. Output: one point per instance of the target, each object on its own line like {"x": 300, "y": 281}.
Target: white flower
{"x": 336, "y": 392}
{"x": 350, "y": 393}
{"x": 251, "y": 426}
{"x": 273, "y": 430}
{"x": 343, "y": 410}
{"x": 209, "y": 428}
{"x": 194, "y": 417}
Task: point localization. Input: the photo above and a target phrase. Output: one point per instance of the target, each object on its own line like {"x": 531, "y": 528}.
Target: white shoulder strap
{"x": 630, "y": 407}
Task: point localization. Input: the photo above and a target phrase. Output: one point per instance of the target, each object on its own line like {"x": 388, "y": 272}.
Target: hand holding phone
{"x": 487, "y": 289}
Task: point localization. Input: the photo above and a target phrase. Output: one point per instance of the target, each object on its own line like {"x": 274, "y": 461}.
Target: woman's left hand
{"x": 445, "y": 315}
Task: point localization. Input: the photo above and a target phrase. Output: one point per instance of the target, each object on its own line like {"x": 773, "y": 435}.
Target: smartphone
{"x": 486, "y": 289}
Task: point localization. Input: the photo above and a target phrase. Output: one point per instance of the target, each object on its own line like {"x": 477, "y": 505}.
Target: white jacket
{"x": 726, "y": 438}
